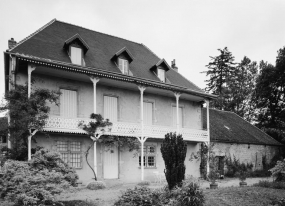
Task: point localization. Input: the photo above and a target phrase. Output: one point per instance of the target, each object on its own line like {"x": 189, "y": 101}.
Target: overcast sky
{"x": 189, "y": 31}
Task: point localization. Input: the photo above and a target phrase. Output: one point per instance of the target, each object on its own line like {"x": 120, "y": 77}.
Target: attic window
{"x": 161, "y": 74}
{"x": 76, "y": 55}
{"x": 123, "y": 65}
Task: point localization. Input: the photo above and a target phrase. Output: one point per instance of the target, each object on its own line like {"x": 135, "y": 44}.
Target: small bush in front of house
{"x": 96, "y": 185}
{"x": 188, "y": 194}
{"x": 139, "y": 196}
{"x": 38, "y": 181}
{"x": 234, "y": 167}
{"x": 267, "y": 184}
{"x": 144, "y": 183}
{"x": 278, "y": 202}
{"x": 278, "y": 171}
{"x": 173, "y": 150}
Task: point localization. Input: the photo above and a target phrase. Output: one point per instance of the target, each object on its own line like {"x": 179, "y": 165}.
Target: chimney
{"x": 173, "y": 66}
{"x": 11, "y": 43}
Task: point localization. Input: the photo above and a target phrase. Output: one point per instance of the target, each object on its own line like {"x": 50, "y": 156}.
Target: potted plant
{"x": 213, "y": 176}
{"x": 242, "y": 175}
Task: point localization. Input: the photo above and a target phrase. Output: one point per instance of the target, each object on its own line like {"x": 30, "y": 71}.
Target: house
{"x": 232, "y": 136}
{"x": 124, "y": 81}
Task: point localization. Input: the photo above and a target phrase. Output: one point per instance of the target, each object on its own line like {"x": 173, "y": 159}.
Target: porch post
{"x": 31, "y": 68}
{"x": 142, "y": 138}
{"x": 177, "y": 95}
{"x": 95, "y": 80}
{"x": 208, "y": 131}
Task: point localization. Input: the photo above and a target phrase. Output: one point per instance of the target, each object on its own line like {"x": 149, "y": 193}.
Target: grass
{"x": 237, "y": 196}
{"x": 267, "y": 184}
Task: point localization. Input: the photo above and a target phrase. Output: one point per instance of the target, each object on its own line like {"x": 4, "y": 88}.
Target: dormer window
{"x": 122, "y": 59}
{"x": 123, "y": 65}
{"x": 160, "y": 69}
{"x": 76, "y": 48}
{"x": 76, "y": 55}
{"x": 161, "y": 74}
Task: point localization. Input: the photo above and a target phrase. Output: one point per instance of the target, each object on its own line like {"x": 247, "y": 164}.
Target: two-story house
{"x": 123, "y": 81}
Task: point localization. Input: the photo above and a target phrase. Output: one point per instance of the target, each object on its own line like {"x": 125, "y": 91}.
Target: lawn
{"x": 235, "y": 196}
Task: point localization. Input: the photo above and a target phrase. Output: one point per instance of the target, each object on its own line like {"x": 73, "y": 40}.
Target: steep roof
{"x": 228, "y": 127}
{"x": 49, "y": 40}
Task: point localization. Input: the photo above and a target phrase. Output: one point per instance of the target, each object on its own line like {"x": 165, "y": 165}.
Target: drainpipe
{"x": 95, "y": 80}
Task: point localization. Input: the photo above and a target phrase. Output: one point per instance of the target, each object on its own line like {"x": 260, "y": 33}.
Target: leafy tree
{"x": 27, "y": 115}
{"x": 241, "y": 87}
{"x": 173, "y": 150}
{"x": 220, "y": 70}
{"x": 95, "y": 129}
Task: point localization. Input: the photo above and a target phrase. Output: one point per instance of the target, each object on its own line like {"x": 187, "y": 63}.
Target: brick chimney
{"x": 11, "y": 43}
{"x": 173, "y": 66}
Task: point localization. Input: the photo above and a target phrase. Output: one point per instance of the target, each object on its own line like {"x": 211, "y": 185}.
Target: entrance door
{"x": 111, "y": 170}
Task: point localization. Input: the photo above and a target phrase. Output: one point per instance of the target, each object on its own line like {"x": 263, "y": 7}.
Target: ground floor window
{"x": 149, "y": 159}
{"x": 70, "y": 152}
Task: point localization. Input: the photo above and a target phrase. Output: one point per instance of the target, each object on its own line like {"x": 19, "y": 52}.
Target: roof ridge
{"x": 33, "y": 34}
{"x": 257, "y": 128}
{"x": 96, "y": 31}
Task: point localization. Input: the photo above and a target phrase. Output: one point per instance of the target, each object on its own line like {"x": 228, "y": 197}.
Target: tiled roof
{"x": 228, "y": 127}
{"x": 48, "y": 43}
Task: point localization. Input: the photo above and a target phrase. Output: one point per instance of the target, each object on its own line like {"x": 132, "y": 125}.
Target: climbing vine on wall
{"x": 204, "y": 160}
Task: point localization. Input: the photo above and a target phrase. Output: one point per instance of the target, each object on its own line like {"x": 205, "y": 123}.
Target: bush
{"x": 234, "y": 167}
{"x": 267, "y": 184}
{"x": 36, "y": 182}
{"x": 173, "y": 150}
{"x": 144, "y": 183}
{"x": 188, "y": 194}
{"x": 280, "y": 202}
{"x": 139, "y": 196}
{"x": 97, "y": 185}
{"x": 278, "y": 171}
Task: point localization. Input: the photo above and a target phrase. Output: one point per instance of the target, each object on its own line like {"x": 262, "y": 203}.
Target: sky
{"x": 189, "y": 31}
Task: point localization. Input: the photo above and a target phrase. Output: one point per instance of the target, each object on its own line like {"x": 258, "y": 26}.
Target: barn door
{"x": 111, "y": 170}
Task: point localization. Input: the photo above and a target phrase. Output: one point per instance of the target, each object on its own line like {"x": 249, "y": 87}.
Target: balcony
{"x": 65, "y": 125}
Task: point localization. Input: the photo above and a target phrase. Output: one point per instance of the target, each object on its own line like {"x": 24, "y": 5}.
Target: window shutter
{"x": 148, "y": 113}
{"x": 68, "y": 103}
{"x": 111, "y": 108}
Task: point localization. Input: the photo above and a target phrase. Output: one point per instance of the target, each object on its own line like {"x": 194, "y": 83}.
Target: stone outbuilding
{"x": 232, "y": 136}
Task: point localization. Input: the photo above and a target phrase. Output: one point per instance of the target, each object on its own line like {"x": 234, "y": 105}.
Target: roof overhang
{"x": 108, "y": 74}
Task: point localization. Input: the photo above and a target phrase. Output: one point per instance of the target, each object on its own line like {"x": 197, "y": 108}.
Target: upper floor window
{"x": 76, "y": 55}
{"x": 68, "y": 103}
{"x": 123, "y": 66}
{"x": 161, "y": 74}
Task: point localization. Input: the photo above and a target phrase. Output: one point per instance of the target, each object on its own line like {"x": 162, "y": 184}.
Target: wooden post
{"x": 95, "y": 80}
{"x": 208, "y": 131}
{"x": 142, "y": 138}
{"x": 177, "y": 95}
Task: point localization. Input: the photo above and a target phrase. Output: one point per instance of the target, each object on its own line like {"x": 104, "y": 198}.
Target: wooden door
{"x": 111, "y": 167}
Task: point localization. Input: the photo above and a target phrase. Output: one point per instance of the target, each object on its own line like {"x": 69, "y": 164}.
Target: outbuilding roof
{"x": 47, "y": 43}
{"x": 228, "y": 127}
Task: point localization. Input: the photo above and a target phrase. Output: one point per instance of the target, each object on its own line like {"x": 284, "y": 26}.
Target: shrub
{"x": 173, "y": 150}
{"x": 242, "y": 175}
{"x": 234, "y": 167}
{"x": 97, "y": 185}
{"x": 267, "y": 184}
{"x": 36, "y": 182}
{"x": 279, "y": 202}
{"x": 278, "y": 171}
{"x": 139, "y": 196}
{"x": 144, "y": 183}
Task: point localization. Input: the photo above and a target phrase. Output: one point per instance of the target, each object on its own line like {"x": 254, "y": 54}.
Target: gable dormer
{"x": 160, "y": 69}
{"x": 123, "y": 58}
{"x": 76, "y": 48}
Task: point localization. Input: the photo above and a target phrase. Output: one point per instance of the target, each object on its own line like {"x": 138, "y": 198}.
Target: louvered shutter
{"x": 68, "y": 103}
{"x": 111, "y": 108}
{"x": 147, "y": 112}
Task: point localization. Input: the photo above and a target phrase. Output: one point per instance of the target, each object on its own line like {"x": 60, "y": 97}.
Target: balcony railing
{"x": 60, "y": 124}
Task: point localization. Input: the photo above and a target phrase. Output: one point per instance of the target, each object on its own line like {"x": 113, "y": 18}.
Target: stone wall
{"x": 246, "y": 153}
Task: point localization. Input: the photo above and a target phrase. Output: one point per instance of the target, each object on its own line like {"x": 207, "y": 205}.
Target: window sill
{"x": 148, "y": 167}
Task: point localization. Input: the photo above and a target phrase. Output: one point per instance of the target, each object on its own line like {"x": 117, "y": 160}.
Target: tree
{"x": 220, "y": 70}
{"x": 95, "y": 129}
{"x": 173, "y": 150}
{"x": 27, "y": 115}
{"x": 241, "y": 87}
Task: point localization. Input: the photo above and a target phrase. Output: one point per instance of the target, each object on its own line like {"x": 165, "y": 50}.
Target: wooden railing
{"x": 60, "y": 124}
